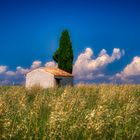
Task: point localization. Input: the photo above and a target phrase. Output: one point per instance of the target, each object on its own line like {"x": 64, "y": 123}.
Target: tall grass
{"x": 97, "y": 112}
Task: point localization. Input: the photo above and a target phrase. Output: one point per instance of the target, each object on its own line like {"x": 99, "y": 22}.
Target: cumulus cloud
{"x": 36, "y": 64}
{"x": 8, "y": 77}
{"x": 87, "y": 67}
{"x": 51, "y": 64}
{"x": 133, "y": 68}
{"x": 3, "y": 69}
{"x": 20, "y": 70}
{"x": 131, "y": 73}
{"x": 10, "y": 73}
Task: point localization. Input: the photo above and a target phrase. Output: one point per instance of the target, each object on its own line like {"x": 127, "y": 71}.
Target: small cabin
{"x": 48, "y": 77}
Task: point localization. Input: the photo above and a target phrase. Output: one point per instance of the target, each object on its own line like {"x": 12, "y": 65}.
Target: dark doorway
{"x": 58, "y": 81}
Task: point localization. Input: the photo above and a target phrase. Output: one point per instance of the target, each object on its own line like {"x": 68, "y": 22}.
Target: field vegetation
{"x": 85, "y": 112}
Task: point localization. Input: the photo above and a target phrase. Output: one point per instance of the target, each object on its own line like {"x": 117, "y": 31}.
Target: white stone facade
{"x": 40, "y": 77}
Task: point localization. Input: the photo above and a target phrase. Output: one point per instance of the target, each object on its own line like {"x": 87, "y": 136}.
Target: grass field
{"x": 97, "y": 112}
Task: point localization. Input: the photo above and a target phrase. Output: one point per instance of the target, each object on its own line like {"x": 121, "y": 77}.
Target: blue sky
{"x": 30, "y": 31}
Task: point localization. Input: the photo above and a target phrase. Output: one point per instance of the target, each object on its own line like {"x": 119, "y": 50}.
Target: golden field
{"x": 84, "y": 112}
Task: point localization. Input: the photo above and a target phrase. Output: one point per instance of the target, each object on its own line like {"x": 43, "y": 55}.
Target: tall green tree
{"x": 64, "y": 54}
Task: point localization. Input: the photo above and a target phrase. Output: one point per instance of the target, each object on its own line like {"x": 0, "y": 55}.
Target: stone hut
{"x": 48, "y": 77}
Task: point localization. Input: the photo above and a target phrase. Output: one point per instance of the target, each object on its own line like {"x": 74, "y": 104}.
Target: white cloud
{"x": 131, "y": 72}
{"x": 86, "y": 67}
{"x": 20, "y": 70}
{"x": 23, "y": 71}
{"x": 36, "y": 64}
{"x": 10, "y": 73}
{"x": 133, "y": 68}
{"x": 18, "y": 76}
{"x": 51, "y": 64}
{"x": 3, "y": 69}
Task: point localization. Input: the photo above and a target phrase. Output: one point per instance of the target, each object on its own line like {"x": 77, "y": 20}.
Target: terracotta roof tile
{"x": 58, "y": 72}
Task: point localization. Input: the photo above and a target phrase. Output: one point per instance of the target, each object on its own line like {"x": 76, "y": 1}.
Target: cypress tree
{"x": 64, "y": 54}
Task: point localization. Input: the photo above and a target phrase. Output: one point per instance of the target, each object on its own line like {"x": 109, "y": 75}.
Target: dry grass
{"x": 97, "y": 112}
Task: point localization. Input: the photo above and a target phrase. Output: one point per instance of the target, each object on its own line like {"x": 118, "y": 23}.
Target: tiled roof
{"x": 58, "y": 72}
